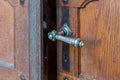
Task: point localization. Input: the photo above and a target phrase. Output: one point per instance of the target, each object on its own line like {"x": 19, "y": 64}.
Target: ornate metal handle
{"x": 66, "y": 31}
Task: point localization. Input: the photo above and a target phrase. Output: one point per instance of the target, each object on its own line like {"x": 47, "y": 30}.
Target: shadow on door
{"x": 50, "y": 49}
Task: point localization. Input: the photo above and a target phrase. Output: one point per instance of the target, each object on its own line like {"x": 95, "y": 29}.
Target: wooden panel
{"x": 6, "y": 34}
{"x": 75, "y": 53}
{"x": 98, "y": 25}
{"x": 20, "y": 45}
{"x": 8, "y": 74}
{"x": 100, "y": 30}
{"x": 21, "y": 38}
{"x": 14, "y": 40}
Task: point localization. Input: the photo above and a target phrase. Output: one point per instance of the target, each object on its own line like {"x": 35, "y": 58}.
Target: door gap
{"x": 50, "y": 48}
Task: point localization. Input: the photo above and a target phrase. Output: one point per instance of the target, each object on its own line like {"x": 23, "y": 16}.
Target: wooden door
{"x": 13, "y": 40}
{"x": 97, "y": 24}
{"x": 19, "y": 49}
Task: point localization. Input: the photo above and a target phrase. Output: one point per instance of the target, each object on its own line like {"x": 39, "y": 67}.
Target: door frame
{"x": 35, "y": 39}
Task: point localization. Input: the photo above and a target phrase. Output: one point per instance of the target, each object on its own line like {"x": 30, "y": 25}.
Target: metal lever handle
{"x": 65, "y": 30}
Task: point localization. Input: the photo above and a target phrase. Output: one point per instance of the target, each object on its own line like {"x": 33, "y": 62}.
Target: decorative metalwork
{"x": 65, "y": 30}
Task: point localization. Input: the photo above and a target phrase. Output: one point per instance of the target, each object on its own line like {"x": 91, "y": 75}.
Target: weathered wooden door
{"x": 13, "y": 40}
{"x": 19, "y": 49}
{"x": 97, "y": 24}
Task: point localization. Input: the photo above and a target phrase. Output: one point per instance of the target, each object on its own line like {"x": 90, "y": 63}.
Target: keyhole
{"x": 65, "y": 58}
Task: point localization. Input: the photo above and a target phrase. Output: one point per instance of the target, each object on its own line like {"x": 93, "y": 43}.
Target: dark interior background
{"x": 50, "y": 49}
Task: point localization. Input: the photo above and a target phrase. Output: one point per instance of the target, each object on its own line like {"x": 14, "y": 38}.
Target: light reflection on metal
{"x": 63, "y": 35}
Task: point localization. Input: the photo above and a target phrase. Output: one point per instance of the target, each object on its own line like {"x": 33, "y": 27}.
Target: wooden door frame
{"x": 35, "y": 39}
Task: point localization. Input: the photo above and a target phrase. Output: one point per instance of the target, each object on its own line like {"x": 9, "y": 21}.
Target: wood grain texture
{"x": 8, "y": 74}
{"x": 14, "y": 29}
{"x": 98, "y": 26}
{"x": 21, "y": 39}
{"x": 6, "y": 32}
{"x": 100, "y": 29}
{"x": 35, "y": 39}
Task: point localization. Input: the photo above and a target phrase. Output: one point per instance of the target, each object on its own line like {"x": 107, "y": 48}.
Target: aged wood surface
{"x": 14, "y": 59}
{"x": 100, "y": 29}
{"x": 6, "y": 33}
{"x": 35, "y": 50}
{"x": 20, "y": 39}
{"x": 97, "y": 24}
